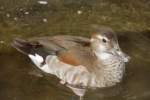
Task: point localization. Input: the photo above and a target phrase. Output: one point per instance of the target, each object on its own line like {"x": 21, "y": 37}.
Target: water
{"x": 19, "y": 79}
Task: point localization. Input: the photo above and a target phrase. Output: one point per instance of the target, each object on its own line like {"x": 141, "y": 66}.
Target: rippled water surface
{"x": 19, "y": 79}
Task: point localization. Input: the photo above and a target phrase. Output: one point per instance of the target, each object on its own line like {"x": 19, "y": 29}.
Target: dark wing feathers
{"x": 69, "y": 49}
{"x": 31, "y": 48}
{"x": 48, "y": 45}
{"x": 25, "y": 46}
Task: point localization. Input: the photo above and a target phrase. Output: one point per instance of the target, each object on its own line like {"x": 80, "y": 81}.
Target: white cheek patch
{"x": 102, "y": 48}
{"x": 102, "y": 37}
{"x": 92, "y": 40}
{"x": 103, "y": 55}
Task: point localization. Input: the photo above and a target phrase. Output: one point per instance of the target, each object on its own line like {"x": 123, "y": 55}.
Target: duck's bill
{"x": 124, "y": 56}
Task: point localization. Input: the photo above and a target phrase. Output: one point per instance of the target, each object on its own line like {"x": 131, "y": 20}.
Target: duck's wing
{"x": 65, "y": 48}
{"x": 69, "y": 59}
{"x": 53, "y": 44}
{"x": 62, "y": 41}
{"x": 77, "y": 56}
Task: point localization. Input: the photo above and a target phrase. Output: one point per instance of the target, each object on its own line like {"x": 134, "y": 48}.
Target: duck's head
{"x": 104, "y": 41}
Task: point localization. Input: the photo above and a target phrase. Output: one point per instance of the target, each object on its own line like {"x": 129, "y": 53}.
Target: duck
{"x": 79, "y": 62}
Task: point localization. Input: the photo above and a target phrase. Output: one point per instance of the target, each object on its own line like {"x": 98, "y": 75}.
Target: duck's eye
{"x": 104, "y": 40}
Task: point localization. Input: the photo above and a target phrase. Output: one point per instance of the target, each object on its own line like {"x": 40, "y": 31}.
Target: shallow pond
{"x": 19, "y": 79}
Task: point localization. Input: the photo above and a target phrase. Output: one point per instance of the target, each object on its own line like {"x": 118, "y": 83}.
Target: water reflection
{"x": 17, "y": 79}
{"x": 17, "y": 82}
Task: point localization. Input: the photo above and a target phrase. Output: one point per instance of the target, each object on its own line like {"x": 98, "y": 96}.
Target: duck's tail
{"x": 26, "y": 47}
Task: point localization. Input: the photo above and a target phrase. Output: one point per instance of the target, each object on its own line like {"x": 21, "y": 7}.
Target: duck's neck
{"x": 111, "y": 70}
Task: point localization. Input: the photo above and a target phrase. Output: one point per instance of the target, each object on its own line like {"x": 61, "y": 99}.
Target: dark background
{"x": 27, "y": 18}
